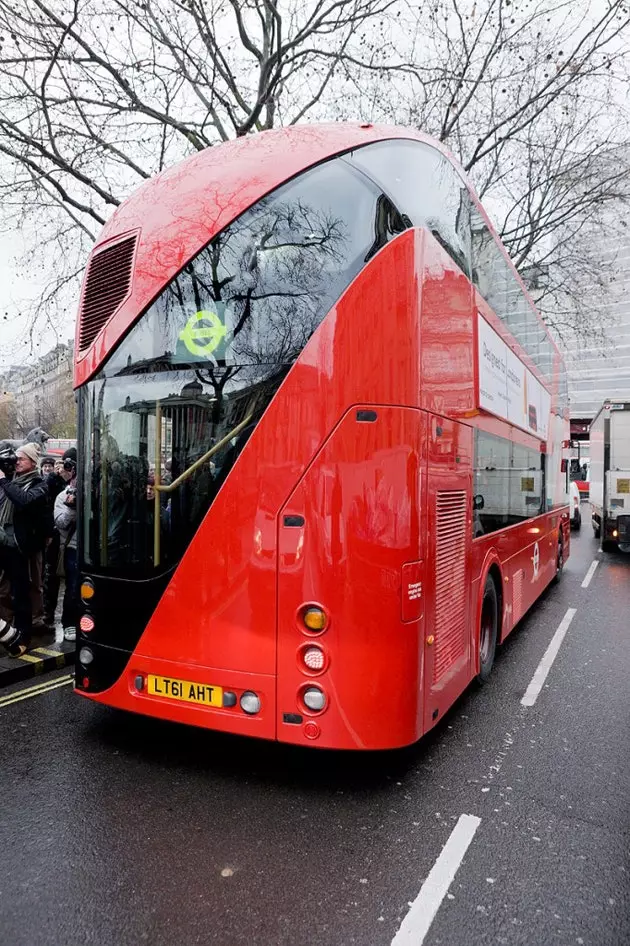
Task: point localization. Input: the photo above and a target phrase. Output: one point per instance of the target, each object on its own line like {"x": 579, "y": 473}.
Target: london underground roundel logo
{"x": 536, "y": 559}
{"x": 203, "y": 333}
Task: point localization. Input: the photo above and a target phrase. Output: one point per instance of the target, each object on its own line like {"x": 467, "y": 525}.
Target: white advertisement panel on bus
{"x": 507, "y": 388}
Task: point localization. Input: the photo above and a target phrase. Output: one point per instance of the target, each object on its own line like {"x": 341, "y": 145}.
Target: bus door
{"x": 448, "y": 636}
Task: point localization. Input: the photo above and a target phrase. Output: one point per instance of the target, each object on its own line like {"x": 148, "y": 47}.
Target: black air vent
{"x": 107, "y": 284}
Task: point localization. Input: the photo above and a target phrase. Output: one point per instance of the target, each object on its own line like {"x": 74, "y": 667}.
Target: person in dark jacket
{"x": 24, "y": 524}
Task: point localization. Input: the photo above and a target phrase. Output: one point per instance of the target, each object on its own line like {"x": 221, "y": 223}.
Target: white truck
{"x": 610, "y": 475}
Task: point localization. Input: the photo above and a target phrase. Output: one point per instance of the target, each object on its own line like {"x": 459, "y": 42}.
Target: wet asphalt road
{"x": 121, "y": 830}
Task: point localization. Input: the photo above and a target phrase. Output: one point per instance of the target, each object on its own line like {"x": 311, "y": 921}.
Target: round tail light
{"x": 87, "y": 589}
{"x": 314, "y": 699}
{"x": 86, "y": 656}
{"x": 315, "y": 619}
{"x": 314, "y": 658}
{"x": 250, "y": 702}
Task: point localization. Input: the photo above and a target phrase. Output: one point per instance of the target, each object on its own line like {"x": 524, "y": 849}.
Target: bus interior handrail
{"x": 169, "y": 487}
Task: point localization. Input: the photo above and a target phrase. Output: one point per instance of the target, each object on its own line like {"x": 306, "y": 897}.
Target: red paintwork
{"x": 401, "y": 341}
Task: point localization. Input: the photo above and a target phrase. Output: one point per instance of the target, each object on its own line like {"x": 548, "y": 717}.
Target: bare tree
{"x": 531, "y": 97}
{"x": 56, "y": 415}
{"x": 98, "y": 95}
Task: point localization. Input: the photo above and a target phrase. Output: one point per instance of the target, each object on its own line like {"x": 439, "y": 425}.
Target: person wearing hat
{"x": 24, "y": 525}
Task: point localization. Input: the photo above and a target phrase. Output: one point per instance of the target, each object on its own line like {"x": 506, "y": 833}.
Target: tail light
{"x": 87, "y": 589}
{"x": 86, "y": 656}
{"x": 314, "y": 699}
{"x": 315, "y": 619}
{"x": 314, "y": 658}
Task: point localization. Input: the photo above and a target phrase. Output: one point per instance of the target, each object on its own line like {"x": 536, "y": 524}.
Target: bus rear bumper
{"x": 187, "y": 693}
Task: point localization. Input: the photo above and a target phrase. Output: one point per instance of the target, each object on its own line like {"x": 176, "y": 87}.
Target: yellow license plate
{"x": 200, "y": 693}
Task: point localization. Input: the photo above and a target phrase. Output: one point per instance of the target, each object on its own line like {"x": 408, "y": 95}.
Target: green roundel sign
{"x": 203, "y": 334}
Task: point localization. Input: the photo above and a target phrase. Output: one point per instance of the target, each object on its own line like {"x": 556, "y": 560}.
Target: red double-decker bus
{"x": 319, "y": 441}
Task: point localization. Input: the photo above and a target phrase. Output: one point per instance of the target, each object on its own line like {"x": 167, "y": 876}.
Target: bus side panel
{"x": 351, "y": 541}
{"x": 449, "y": 628}
{"x": 526, "y": 555}
{"x": 448, "y": 339}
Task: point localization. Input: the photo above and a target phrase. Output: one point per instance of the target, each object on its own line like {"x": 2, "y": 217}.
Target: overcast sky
{"x": 16, "y": 347}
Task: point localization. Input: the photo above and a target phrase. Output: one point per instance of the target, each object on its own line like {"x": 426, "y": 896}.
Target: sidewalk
{"x": 44, "y": 655}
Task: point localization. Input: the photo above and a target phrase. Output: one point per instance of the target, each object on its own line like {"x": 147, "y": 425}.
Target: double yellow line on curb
{"x": 36, "y": 690}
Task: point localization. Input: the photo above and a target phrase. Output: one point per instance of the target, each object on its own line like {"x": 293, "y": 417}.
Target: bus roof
{"x": 174, "y": 215}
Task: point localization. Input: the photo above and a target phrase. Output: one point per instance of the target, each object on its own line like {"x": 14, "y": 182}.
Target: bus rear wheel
{"x": 488, "y": 630}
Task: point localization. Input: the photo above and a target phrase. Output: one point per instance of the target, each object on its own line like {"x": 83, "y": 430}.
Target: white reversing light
{"x": 250, "y": 702}
{"x": 314, "y": 699}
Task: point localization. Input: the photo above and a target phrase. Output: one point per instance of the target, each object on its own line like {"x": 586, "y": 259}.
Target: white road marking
{"x": 543, "y": 668}
{"x": 417, "y": 922}
{"x": 589, "y": 574}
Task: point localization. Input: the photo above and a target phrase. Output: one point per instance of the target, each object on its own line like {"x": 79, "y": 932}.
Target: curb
{"x": 36, "y": 661}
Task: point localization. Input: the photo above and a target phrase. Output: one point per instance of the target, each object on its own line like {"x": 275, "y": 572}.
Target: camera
{"x": 69, "y": 465}
{"x": 8, "y": 459}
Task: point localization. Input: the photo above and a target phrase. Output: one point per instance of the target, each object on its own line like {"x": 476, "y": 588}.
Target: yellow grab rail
{"x": 169, "y": 487}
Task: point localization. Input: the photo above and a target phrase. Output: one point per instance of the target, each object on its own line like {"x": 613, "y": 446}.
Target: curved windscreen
{"x": 165, "y": 419}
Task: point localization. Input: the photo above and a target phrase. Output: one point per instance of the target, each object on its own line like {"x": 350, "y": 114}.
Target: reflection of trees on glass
{"x": 257, "y": 292}
{"x": 267, "y": 272}
{"x": 210, "y": 354}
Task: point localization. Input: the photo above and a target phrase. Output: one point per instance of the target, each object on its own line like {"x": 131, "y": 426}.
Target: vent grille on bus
{"x": 107, "y": 284}
{"x": 450, "y": 580}
{"x": 517, "y": 596}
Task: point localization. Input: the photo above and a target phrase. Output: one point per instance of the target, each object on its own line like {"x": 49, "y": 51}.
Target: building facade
{"x": 40, "y": 395}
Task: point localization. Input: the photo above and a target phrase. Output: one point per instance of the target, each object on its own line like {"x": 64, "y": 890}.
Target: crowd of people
{"x": 38, "y": 544}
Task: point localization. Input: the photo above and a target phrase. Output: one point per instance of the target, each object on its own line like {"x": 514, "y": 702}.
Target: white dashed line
{"x": 589, "y": 575}
{"x": 543, "y": 668}
{"x": 416, "y": 924}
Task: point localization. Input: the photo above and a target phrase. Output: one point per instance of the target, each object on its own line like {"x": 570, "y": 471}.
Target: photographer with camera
{"x": 24, "y": 526}
{"x": 66, "y": 524}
